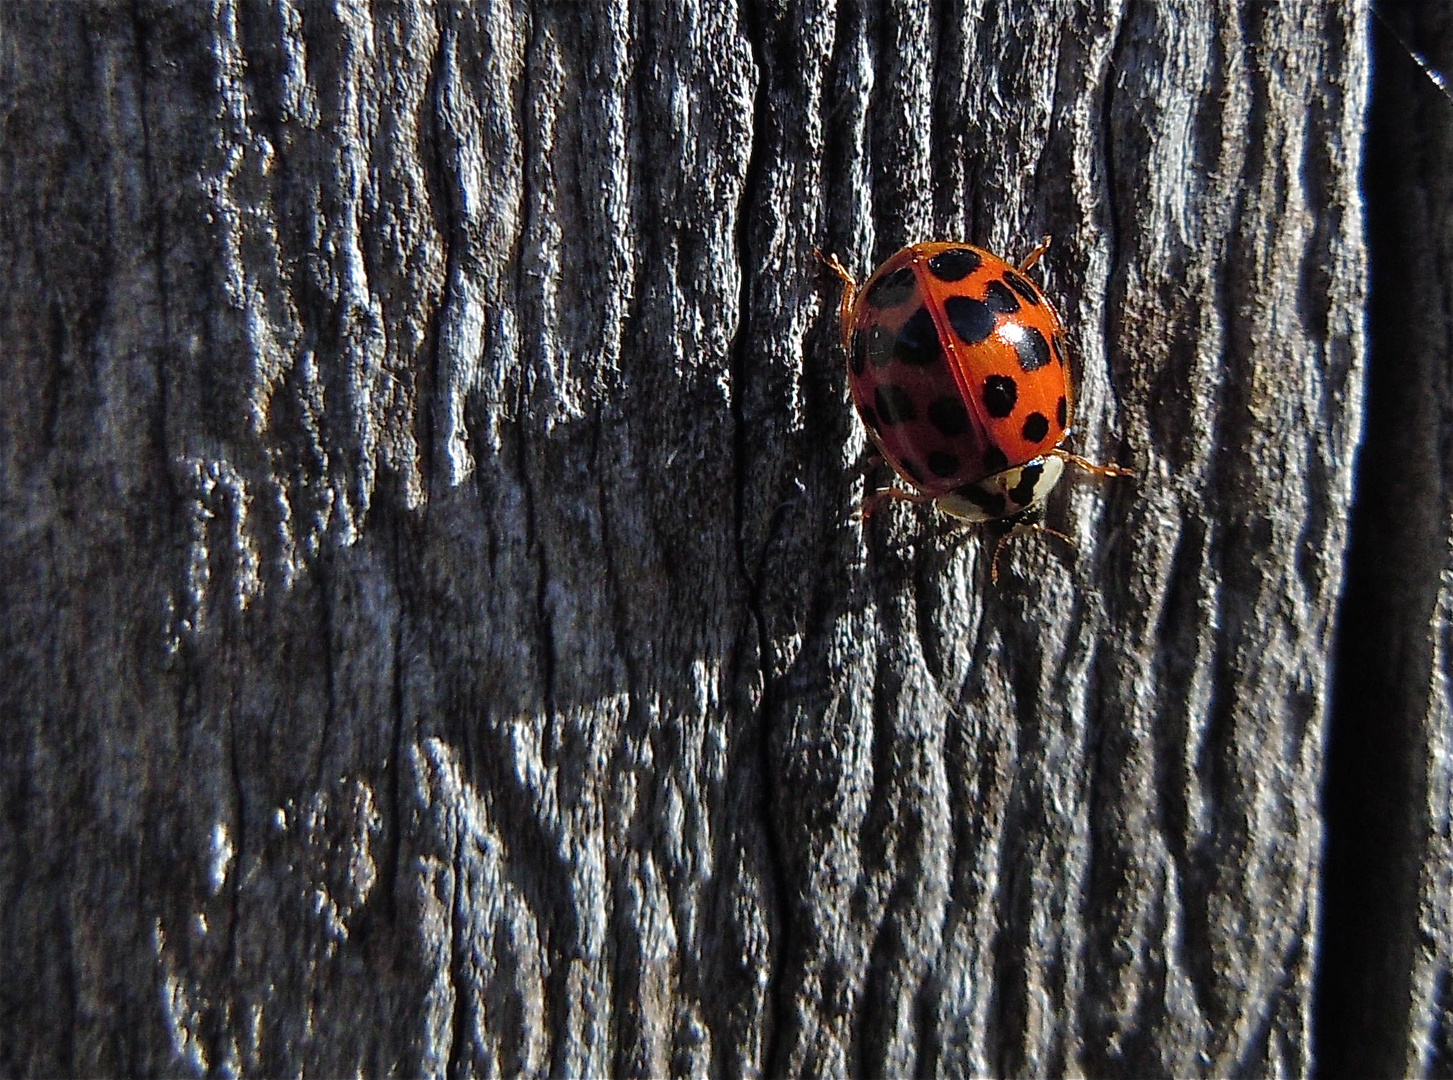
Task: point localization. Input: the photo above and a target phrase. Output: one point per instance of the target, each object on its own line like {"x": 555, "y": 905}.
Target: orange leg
{"x": 882, "y": 495}
{"x": 1033, "y": 256}
{"x": 850, "y": 291}
{"x": 1090, "y": 466}
{"x": 1019, "y": 530}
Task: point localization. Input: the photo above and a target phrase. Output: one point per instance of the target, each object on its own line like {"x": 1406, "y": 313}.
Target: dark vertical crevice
{"x": 150, "y": 171}
{"x": 459, "y": 1062}
{"x": 398, "y": 697}
{"x": 442, "y": 184}
{"x": 759, "y": 653}
{"x": 524, "y": 451}
{"x": 1375, "y": 797}
{"x": 1114, "y": 272}
{"x": 628, "y": 1042}
{"x": 328, "y": 647}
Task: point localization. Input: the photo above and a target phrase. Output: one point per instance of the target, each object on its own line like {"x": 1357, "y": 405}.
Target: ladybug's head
{"x": 1006, "y": 493}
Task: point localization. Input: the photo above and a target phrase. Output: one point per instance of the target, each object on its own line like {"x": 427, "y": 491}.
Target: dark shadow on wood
{"x": 1375, "y": 798}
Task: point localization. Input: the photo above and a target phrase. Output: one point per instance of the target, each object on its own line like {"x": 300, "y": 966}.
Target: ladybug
{"x": 959, "y": 371}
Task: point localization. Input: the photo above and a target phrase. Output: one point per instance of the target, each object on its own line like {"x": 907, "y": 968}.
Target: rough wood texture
{"x": 437, "y": 634}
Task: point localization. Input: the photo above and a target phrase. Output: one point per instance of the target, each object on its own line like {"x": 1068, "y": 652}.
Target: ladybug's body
{"x": 958, "y": 368}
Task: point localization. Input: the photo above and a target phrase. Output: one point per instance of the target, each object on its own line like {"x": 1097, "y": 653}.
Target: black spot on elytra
{"x": 909, "y": 466}
{"x": 995, "y": 460}
{"x": 870, "y": 417}
{"x": 1023, "y": 492}
{"x": 943, "y": 463}
{"x": 918, "y": 340}
{"x": 1032, "y": 348}
{"x": 892, "y": 289}
{"x": 949, "y": 415}
{"x": 1027, "y": 292}
{"x": 880, "y": 347}
{"x": 1062, "y": 413}
{"x": 1000, "y": 299}
{"x": 894, "y": 405}
{"x": 954, "y": 265}
{"x": 991, "y": 502}
{"x": 971, "y": 319}
{"x": 1036, "y": 427}
{"x": 1000, "y": 394}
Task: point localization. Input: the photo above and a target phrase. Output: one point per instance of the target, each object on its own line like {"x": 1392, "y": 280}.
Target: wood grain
{"x": 438, "y": 636}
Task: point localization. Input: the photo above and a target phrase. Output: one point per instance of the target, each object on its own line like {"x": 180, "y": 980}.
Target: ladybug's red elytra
{"x": 958, "y": 368}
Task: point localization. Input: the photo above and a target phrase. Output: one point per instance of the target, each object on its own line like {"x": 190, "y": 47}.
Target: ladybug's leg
{"x": 1090, "y": 466}
{"x": 850, "y": 290}
{"x": 882, "y": 495}
{"x": 1020, "y": 530}
{"x": 1033, "y": 257}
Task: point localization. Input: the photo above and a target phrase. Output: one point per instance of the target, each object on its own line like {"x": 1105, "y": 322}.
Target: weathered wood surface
{"x": 437, "y": 633}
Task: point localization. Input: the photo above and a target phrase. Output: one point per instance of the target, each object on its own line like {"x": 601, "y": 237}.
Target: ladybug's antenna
{"x": 1434, "y": 75}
